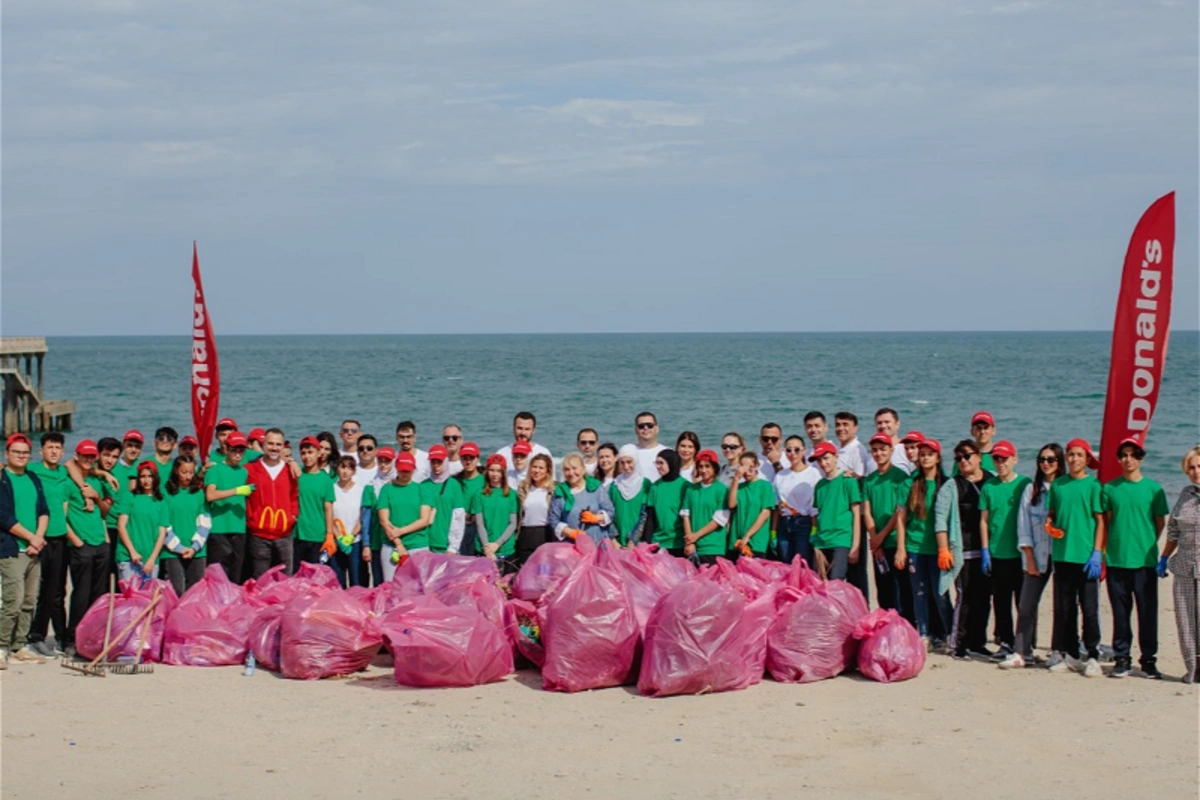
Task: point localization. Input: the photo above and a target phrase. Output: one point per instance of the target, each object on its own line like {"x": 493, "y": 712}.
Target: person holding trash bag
{"x": 581, "y": 504}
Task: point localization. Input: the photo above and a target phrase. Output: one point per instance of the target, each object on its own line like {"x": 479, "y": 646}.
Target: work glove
{"x": 1053, "y": 532}
{"x": 589, "y": 518}
{"x": 329, "y": 547}
{"x": 572, "y": 533}
{"x": 945, "y": 559}
{"x": 1161, "y": 569}
{"x": 987, "y": 561}
{"x": 1092, "y": 568}
{"x": 245, "y": 490}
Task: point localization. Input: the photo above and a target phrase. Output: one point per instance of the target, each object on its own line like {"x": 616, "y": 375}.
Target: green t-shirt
{"x": 446, "y": 498}
{"x": 752, "y": 498}
{"x": 228, "y": 515}
{"x": 627, "y": 512}
{"x": 471, "y": 487}
{"x": 25, "y": 496}
{"x": 251, "y": 455}
{"x": 316, "y": 489}
{"x": 1133, "y": 530}
{"x": 666, "y": 499}
{"x": 54, "y": 487}
{"x": 885, "y": 491}
{"x": 146, "y": 516}
{"x": 701, "y": 502}
{"x": 125, "y": 475}
{"x": 497, "y": 511}
{"x": 1002, "y": 501}
{"x": 87, "y": 525}
{"x": 403, "y": 504}
{"x": 919, "y": 535}
{"x": 184, "y": 509}
{"x": 1075, "y": 503}
{"x": 834, "y": 501}
{"x": 164, "y": 473}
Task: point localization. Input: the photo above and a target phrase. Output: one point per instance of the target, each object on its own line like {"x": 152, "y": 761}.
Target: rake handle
{"x": 133, "y": 623}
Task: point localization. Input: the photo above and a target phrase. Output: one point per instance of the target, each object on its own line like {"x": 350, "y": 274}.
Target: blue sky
{"x": 377, "y": 167}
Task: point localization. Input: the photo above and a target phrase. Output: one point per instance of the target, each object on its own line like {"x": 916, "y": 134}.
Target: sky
{"x": 534, "y": 166}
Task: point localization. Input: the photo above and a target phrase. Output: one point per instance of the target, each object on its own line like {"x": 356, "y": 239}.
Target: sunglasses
{"x": 446, "y": 438}
{"x": 583, "y": 442}
{"x": 730, "y": 446}
{"x": 164, "y": 438}
{"x": 645, "y": 426}
{"x": 964, "y": 456}
{"x": 366, "y": 448}
{"x": 349, "y": 430}
{"x": 771, "y": 439}
{"x": 1047, "y": 459}
{"x": 793, "y": 449}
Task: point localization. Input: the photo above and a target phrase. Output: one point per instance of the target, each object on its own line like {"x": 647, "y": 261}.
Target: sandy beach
{"x": 960, "y": 729}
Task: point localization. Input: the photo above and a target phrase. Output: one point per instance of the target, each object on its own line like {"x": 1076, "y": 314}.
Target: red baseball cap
{"x": 880, "y": 438}
{"x": 149, "y": 464}
{"x": 496, "y": 458}
{"x": 1093, "y": 462}
{"x": 707, "y": 455}
{"x": 469, "y": 449}
{"x": 226, "y": 422}
{"x": 189, "y": 440}
{"x": 1004, "y": 449}
{"x": 405, "y": 462}
{"x": 983, "y": 416}
{"x": 17, "y": 437}
{"x": 133, "y": 436}
{"x": 824, "y": 448}
{"x": 235, "y": 439}
{"x": 521, "y": 448}
{"x": 932, "y": 444}
{"x": 307, "y": 441}
{"x": 912, "y": 437}
{"x": 256, "y": 435}
{"x": 438, "y": 453}
{"x": 385, "y": 454}
{"x": 87, "y": 448}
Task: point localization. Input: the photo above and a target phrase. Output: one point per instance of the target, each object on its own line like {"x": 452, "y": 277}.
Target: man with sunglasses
{"x": 349, "y": 433}
{"x": 586, "y": 442}
{"x": 974, "y": 583}
{"x": 452, "y": 439}
{"x": 645, "y": 427}
{"x": 770, "y": 459}
{"x": 365, "y": 454}
{"x": 164, "y": 453}
{"x": 24, "y": 518}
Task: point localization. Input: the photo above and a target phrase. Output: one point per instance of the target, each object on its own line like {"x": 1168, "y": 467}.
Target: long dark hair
{"x": 173, "y": 485}
{"x": 918, "y": 501}
{"x": 155, "y": 489}
{"x": 334, "y": 451}
{"x": 600, "y": 476}
{"x": 1039, "y": 478}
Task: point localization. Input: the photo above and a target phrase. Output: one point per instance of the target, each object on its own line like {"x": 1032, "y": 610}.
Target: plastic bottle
{"x": 249, "y": 671}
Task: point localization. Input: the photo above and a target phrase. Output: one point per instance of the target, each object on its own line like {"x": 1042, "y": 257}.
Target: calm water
{"x": 1040, "y": 386}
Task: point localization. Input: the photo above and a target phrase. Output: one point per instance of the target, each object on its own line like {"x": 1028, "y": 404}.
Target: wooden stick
{"x": 133, "y": 623}
{"x": 112, "y": 601}
{"x": 146, "y": 627}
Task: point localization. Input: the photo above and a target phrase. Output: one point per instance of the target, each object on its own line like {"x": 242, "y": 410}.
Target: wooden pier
{"x": 25, "y": 408}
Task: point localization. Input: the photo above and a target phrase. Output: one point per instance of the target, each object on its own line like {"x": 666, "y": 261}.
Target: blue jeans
{"x": 923, "y": 575}
{"x": 349, "y": 564}
{"x": 470, "y": 540}
{"x": 792, "y": 538}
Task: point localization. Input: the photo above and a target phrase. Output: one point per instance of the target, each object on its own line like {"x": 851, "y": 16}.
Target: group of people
{"x": 918, "y": 516}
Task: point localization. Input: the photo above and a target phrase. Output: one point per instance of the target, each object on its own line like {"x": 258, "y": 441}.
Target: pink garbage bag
{"x": 649, "y": 574}
{"x": 759, "y": 611}
{"x": 210, "y": 625}
{"x": 426, "y": 572}
{"x": 438, "y": 645}
{"x": 695, "y": 642}
{"x": 131, "y": 598}
{"x": 477, "y": 591}
{"x": 523, "y": 626}
{"x": 263, "y": 638}
{"x": 330, "y": 634}
{"x": 549, "y": 566}
{"x": 890, "y": 648}
{"x": 589, "y": 628}
{"x": 812, "y": 635}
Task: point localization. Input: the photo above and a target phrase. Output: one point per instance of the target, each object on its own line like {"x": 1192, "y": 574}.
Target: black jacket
{"x": 8, "y": 512}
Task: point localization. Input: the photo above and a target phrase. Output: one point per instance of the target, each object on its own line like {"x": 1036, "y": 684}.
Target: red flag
{"x": 1140, "y": 332}
{"x": 206, "y": 375}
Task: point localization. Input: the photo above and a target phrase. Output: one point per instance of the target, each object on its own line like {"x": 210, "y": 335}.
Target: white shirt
{"x": 364, "y": 475}
{"x": 516, "y": 476}
{"x": 347, "y": 505}
{"x": 536, "y": 508}
{"x": 646, "y": 457}
{"x": 506, "y": 451}
{"x": 688, "y": 473}
{"x": 900, "y": 459}
{"x": 796, "y": 489}
{"x": 421, "y": 473}
{"x": 352, "y": 453}
{"x": 590, "y": 469}
{"x": 853, "y": 457}
{"x": 766, "y": 470}
{"x": 275, "y": 470}
{"x": 450, "y": 469}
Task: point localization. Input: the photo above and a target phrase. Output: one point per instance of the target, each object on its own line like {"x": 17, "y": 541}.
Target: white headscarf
{"x": 628, "y": 485}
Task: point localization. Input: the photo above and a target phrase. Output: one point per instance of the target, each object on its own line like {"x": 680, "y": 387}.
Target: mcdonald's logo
{"x": 273, "y": 519}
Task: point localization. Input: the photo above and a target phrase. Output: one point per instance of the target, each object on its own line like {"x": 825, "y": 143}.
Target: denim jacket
{"x": 1031, "y": 530}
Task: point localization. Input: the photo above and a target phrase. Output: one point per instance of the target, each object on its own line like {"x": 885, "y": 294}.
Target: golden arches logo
{"x": 273, "y": 519}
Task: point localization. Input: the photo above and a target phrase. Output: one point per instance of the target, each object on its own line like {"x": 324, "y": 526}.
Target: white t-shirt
{"x": 853, "y": 457}
{"x": 688, "y": 473}
{"x": 347, "y": 505}
{"x": 364, "y": 475}
{"x": 536, "y": 508}
{"x": 506, "y": 451}
{"x": 274, "y": 471}
{"x": 590, "y": 469}
{"x": 646, "y": 457}
{"x": 766, "y": 470}
{"x": 900, "y": 459}
{"x": 352, "y": 453}
{"x": 516, "y": 476}
{"x": 450, "y": 469}
{"x": 796, "y": 489}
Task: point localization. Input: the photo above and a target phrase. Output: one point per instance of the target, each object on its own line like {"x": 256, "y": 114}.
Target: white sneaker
{"x": 1012, "y": 661}
{"x": 1092, "y": 669}
{"x": 1057, "y": 662}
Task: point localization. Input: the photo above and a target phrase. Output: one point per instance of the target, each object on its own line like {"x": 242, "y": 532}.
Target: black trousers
{"x": 52, "y": 594}
{"x": 973, "y": 609}
{"x": 530, "y": 538}
{"x": 857, "y": 574}
{"x": 1032, "y": 587}
{"x": 1072, "y": 592}
{"x": 89, "y": 566}
{"x": 307, "y": 552}
{"x": 1127, "y": 588}
{"x": 1007, "y": 576}
{"x": 891, "y": 585}
{"x": 228, "y": 550}
{"x": 184, "y": 573}
{"x": 266, "y": 553}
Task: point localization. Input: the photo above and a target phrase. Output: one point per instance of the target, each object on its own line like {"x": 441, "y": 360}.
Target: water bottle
{"x": 882, "y": 566}
{"x": 324, "y": 557}
{"x": 249, "y": 672}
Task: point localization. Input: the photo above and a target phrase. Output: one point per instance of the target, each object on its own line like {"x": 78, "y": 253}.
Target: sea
{"x": 1041, "y": 387}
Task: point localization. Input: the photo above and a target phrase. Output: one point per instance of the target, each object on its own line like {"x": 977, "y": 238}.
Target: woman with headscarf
{"x": 581, "y": 505}
{"x": 628, "y": 494}
{"x": 664, "y": 526}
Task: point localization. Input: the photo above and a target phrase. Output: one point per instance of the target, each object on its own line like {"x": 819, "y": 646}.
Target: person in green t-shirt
{"x": 25, "y": 521}
{"x": 164, "y": 452}
{"x": 628, "y": 493}
{"x": 664, "y": 503}
{"x": 837, "y": 523}
{"x": 54, "y": 557}
{"x": 705, "y": 517}
{"x": 1136, "y": 511}
{"x": 999, "y": 510}
{"x": 917, "y": 545}
{"x": 87, "y": 536}
{"x": 185, "y": 556}
{"x": 404, "y": 515}
{"x": 444, "y": 494}
{"x": 884, "y": 491}
{"x": 314, "y": 525}
{"x": 142, "y": 523}
{"x": 226, "y": 487}
{"x": 1075, "y": 522}
{"x": 471, "y": 479}
{"x": 495, "y": 510}
{"x": 751, "y": 500}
